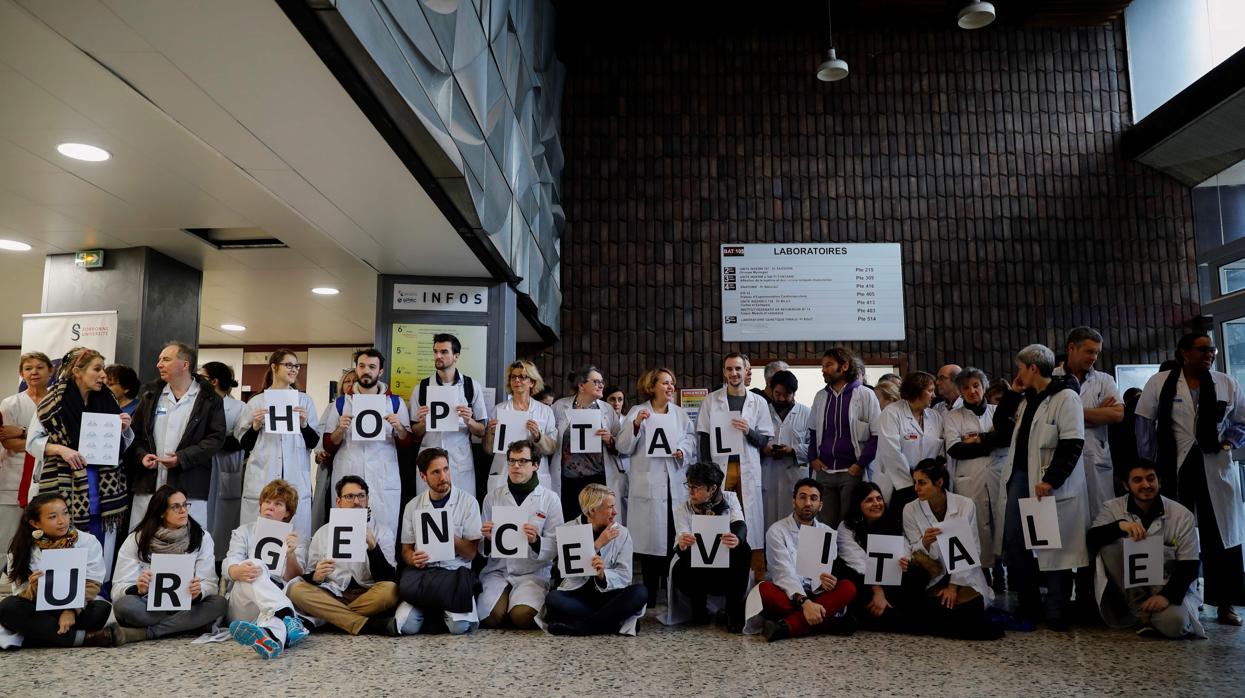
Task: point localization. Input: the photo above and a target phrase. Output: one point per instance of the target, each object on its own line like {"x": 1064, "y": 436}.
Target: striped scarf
{"x": 60, "y": 413}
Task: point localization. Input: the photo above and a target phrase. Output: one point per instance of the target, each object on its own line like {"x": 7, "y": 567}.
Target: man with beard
{"x": 471, "y": 409}
{"x": 842, "y": 440}
{"x": 374, "y": 461}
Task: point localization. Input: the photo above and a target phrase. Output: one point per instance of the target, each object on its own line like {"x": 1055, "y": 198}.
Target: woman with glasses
{"x": 522, "y": 382}
{"x": 279, "y": 456}
{"x": 705, "y": 497}
{"x": 909, "y": 431}
{"x": 571, "y": 472}
{"x": 1188, "y": 420}
{"x": 166, "y": 528}
{"x": 655, "y": 479}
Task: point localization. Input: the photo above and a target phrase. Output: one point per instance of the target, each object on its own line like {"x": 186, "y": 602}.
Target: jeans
{"x": 1022, "y": 566}
{"x": 131, "y": 611}
{"x": 599, "y": 612}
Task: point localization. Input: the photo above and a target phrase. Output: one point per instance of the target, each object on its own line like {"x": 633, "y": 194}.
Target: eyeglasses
{"x": 692, "y": 487}
{"x": 1207, "y": 350}
{"x": 354, "y": 497}
{"x": 292, "y": 367}
{"x": 596, "y": 382}
{"x": 519, "y": 377}
{"x": 520, "y": 461}
{"x": 179, "y": 507}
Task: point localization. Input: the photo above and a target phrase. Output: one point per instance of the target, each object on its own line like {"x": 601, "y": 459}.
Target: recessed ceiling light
{"x": 228, "y": 327}
{"x": 14, "y": 246}
{"x": 325, "y": 291}
{"x": 82, "y": 151}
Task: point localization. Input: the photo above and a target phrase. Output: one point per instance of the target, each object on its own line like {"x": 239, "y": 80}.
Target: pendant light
{"x": 833, "y": 68}
{"x": 975, "y": 15}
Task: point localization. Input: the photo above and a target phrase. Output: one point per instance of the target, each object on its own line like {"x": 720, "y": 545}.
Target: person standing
{"x": 125, "y": 386}
{"x": 1044, "y": 421}
{"x": 784, "y": 460}
{"x": 374, "y": 461}
{"x": 522, "y": 382}
{"x": 571, "y": 472}
{"x": 179, "y": 427}
{"x": 471, "y": 409}
{"x": 1188, "y": 421}
{"x": 17, "y": 467}
{"x": 225, "y": 492}
{"x": 842, "y": 432}
{"x": 909, "y": 431}
{"x": 742, "y": 472}
{"x": 1103, "y": 407}
{"x": 279, "y": 456}
{"x": 977, "y": 460}
{"x": 948, "y": 389}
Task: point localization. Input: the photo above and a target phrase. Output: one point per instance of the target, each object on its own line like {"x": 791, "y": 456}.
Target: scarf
{"x": 60, "y": 413}
{"x": 1209, "y": 412}
{"x": 523, "y": 489}
{"x": 171, "y": 541}
{"x": 977, "y": 409}
{"x": 714, "y": 506}
{"x": 65, "y": 542}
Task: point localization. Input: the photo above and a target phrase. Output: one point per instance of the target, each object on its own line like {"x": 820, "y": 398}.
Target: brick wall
{"x": 992, "y": 156}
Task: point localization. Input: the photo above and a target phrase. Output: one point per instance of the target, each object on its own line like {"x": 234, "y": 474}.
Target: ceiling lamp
{"x": 14, "y": 246}
{"x": 833, "y": 68}
{"x": 229, "y": 327}
{"x": 975, "y": 15}
{"x": 82, "y": 151}
{"x": 325, "y": 291}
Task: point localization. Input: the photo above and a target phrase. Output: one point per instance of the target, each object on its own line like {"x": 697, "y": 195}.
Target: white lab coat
{"x": 782, "y": 544}
{"x": 917, "y": 516}
{"x": 96, "y": 570}
{"x": 756, "y": 413}
{"x": 1099, "y": 472}
{"x": 374, "y": 461}
{"x": 456, "y": 443}
{"x": 1180, "y": 543}
{"x": 615, "y": 475}
{"x": 779, "y": 475}
{"x": 465, "y": 522}
{"x": 980, "y": 479}
{"x": 655, "y": 482}
{"x": 284, "y": 456}
{"x": 679, "y": 607}
{"x": 863, "y": 413}
{"x": 616, "y": 555}
{"x": 1223, "y": 479}
{"x": 540, "y": 413}
{"x": 903, "y": 443}
{"x": 528, "y": 578}
{"x": 225, "y": 492}
{"x": 258, "y": 601}
{"x": 851, "y": 552}
{"x": 338, "y": 580}
{"x": 130, "y": 566}
{"x": 15, "y": 410}
{"x": 1058, "y": 416}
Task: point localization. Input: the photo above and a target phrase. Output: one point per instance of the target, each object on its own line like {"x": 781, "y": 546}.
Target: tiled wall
{"x": 992, "y": 156}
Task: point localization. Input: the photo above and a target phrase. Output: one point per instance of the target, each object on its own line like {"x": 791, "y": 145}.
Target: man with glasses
{"x": 947, "y": 388}
{"x": 179, "y": 426}
{"x": 1189, "y": 420}
{"x": 745, "y": 411}
{"x": 374, "y": 461}
{"x": 358, "y": 597}
{"x": 514, "y": 589}
{"x": 472, "y": 413}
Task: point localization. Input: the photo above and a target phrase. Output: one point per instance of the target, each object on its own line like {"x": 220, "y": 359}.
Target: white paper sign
{"x": 583, "y": 427}
{"x": 281, "y": 417}
{"x": 957, "y": 546}
{"x": 433, "y": 533}
{"x": 348, "y": 535}
{"x": 443, "y": 402}
{"x": 724, "y": 438}
{"x": 661, "y": 435}
{"x": 575, "y": 550}
{"x": 268, "y": 543}
{"x": 1143, "y": 562}
{"x": 367, "y": 421}
{"x": 63, "y": 584}
{"x": 882, "y": 565}
{"x": 708, "y": 550}
{"x": 169, "y": 589}
{"x": 1039, "y": 520}
{"x": 99, "y": 438}
{"x": 818, "y": 547}
{"x": 511, "y": 427}
{"x": 509, "y": 541}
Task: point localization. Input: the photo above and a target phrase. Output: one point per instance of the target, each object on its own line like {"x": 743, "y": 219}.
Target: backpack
{"x": 395, "y": 402}
{"x": 469, "y": 390}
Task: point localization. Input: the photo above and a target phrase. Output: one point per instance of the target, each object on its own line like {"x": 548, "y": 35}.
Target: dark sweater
{"x": 1182, "y": 573}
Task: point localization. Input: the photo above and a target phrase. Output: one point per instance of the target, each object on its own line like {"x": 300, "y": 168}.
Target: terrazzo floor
{"x": 661, "y": 661}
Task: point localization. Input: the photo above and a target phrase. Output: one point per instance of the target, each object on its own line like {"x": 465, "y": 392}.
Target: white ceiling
{"x": 218, "y": 115}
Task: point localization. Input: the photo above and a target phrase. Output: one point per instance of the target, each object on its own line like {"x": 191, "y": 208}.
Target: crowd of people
{"x": 909, "y": 460}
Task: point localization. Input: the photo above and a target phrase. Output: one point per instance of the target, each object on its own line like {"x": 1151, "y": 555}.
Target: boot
{"x": 104, "y": 637}
{"x": 127, "y": 635}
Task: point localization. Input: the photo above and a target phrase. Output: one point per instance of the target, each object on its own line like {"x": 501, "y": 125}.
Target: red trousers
{"x": 777, "y": 604}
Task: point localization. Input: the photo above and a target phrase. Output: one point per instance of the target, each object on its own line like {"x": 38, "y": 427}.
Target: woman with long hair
{"x": 166, "y": 528}
{"x": 97, "y": 494}
{"x": 225, "y": 493}
{"x": 279, "y": 456}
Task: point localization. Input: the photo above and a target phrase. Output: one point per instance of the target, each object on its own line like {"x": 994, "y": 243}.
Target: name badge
{"x": 911, "y": 436}
{"x": 160, "y": 411}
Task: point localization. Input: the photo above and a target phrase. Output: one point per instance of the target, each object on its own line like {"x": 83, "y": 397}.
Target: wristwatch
{"x": 799, "y": 600}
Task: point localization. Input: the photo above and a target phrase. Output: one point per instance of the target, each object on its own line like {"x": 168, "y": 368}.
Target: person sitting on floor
{"x": 705, "y": 497}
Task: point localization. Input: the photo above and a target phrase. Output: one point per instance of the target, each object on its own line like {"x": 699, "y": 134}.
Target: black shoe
{"x": 839, "y": 625}
{"x": 734, "y": 625}
{"x": 700, "y": 614}
{"x": 1058, "y": 624}
{"x": 380, "y": 626}
{"x": 775, "y": 631}
{"x": 568, "y": 629}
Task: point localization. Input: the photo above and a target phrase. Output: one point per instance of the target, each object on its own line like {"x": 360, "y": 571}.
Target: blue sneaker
{"x": 248, "y": 634}
{"x": 295, "y": 631}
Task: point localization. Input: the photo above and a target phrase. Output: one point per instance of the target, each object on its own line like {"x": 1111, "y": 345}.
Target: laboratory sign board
{"x": 791, "y": 292}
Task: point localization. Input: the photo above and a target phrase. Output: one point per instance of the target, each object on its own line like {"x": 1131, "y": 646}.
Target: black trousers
{"x": 699, "y": 582}
{"x": 1222, "y": 568}
{"x": 571, "y": 487}
{"x": 598, "y": 612}
{"x": 39, "y": 627}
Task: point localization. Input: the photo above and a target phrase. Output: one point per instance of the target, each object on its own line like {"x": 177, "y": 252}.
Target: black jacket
{"x": 203, "y": 438}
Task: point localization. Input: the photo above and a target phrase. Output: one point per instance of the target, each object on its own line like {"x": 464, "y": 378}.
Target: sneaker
{"x": 295, "y": 631}
{"x": 248, "y": 634}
